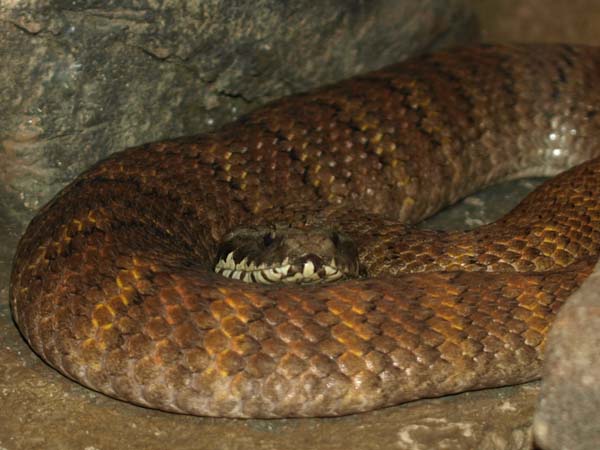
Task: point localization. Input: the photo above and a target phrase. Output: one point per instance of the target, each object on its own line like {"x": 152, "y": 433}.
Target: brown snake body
{"x": 113, "y": 284}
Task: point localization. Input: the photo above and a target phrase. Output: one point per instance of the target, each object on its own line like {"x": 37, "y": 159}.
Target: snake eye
{"x": 268, "y": 239}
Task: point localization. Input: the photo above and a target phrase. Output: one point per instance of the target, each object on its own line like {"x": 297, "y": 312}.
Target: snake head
{"x": 283, "y": 254}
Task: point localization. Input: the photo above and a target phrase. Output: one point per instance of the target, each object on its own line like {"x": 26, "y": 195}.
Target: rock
{"x": 89, "y": 78}
{"x": 567, "y": 416}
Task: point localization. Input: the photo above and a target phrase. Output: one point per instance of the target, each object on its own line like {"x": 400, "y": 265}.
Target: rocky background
{"x": 573, "y": 21}
{"x": 82, "y": 79}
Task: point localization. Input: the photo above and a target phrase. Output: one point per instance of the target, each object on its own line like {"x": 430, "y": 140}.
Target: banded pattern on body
{"x": 113, "y": 281}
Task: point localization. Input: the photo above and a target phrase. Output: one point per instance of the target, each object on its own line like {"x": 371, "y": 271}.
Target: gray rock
{"x": 83, "y": 79}
{"x": 569, "y": 409}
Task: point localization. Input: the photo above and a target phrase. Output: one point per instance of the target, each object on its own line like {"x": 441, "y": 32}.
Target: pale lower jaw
{"x": 263, "y": 274}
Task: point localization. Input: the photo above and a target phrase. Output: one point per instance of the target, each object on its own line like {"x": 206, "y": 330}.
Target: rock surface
{"x": 89, "y": 78}
{"x": 574, "y": 21}
{"x": 567, "y": 416}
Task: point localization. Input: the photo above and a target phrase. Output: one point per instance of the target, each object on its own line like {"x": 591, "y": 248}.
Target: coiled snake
{"x": 114, "y": 284}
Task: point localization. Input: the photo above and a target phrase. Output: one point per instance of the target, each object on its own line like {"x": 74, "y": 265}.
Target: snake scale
{"x": 113, "y": 282}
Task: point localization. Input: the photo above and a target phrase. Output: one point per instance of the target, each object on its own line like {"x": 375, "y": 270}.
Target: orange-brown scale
{"x": 113, "y": 284}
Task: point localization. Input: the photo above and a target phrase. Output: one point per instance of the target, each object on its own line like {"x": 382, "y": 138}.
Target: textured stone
{"x": 89, "y": 78}
{"x": 567, "y": 416}
{"x": 573, "y": 21}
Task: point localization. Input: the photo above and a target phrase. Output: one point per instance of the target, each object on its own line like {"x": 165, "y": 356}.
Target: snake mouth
{"x": 305, "y": 270}
{"x": 284, "y": 254}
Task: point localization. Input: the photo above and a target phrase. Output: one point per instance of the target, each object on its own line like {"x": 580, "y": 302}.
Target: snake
{"x": 271, "y": 268}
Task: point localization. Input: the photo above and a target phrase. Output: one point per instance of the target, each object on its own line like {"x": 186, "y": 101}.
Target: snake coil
{"x": 113, "y": 281}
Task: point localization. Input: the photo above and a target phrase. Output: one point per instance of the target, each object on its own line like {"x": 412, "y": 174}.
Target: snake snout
{"x": 282, "y": 254}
